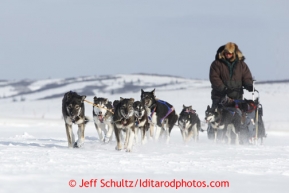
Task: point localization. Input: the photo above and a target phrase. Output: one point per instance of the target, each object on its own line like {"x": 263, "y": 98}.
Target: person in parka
{"x": 229, "y": 74}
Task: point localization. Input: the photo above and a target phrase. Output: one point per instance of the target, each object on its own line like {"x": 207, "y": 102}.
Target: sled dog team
{"x": 152, "y": 117}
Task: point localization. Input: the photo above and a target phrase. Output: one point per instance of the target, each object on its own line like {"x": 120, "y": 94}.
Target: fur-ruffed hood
{"x": 232, "y": 48}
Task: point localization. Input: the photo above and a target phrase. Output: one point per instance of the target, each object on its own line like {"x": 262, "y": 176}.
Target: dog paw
{"x": 77, "y": 145}
{"x": 125, "y": 145}
{"x": 106, "y": 140}
{"x": 128, "y": 150}
{"x": 118, "y": 148}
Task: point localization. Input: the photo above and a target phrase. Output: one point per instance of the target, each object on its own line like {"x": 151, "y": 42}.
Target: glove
{"x": 229, "y": 90}
{"x": 220, "y": 92}
{"x": 249, "y": 88}
{"x": 225, "y": 91}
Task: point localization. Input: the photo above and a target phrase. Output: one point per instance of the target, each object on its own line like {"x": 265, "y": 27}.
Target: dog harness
{"x": 170, "y": 109}
{"x": 251, "y": 106}
{"x": 190, "y": 111}
{"x": 152, "y": 113}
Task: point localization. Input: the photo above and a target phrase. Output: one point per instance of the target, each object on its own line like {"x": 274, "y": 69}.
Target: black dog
{"x": 73, "y": 112}
{"x": 225, "y": 119}
{"x": 124, "y": 120}
{"x": 141, "y": 120}
{"x": 249, "y": 109}
{"x": 189, "y": 123}
{"x": 160, "y": 113}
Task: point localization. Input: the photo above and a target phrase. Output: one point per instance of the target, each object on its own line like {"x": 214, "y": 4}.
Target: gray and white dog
{"x": 124, "y": 120}
{"x": 73, "y": 113}
{"x": 141, "y": 121}
{"x": 189, "y": 124}
{"x": 102, "y": 116}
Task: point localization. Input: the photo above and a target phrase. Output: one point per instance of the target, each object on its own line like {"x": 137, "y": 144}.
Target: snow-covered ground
{"x": 34, "y": 156}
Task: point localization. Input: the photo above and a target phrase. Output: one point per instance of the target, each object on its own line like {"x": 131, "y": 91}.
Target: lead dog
{"x": 189, "y": 123}
{"x": 141, "y": 120}
{"x": 102, "y": 116}
{"x": 73, "y": 113}
{"x": 124, "y": 120}
{"x": 160, "y": 113}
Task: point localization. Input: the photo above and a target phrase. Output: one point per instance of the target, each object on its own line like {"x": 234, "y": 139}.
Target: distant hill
{"x": 94, "y": 85}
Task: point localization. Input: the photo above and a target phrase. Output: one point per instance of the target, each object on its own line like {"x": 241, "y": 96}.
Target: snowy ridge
{"x": 92, "y": 85}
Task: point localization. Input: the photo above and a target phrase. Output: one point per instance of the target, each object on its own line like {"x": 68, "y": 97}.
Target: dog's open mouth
{"x": 100, "y": 118}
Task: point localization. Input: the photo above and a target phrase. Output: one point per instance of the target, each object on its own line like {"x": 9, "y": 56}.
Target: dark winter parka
{"x": 228, "y": 77}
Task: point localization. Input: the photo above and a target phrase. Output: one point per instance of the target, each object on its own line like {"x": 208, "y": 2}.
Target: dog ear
{"x": 115, "y": 103}
{"x": 190, "y": 108}
{"x": 82, "y": 98}
{"x": 208, "y": 107}
{"x": 109, "y": 104}
{"x": 142, "y": 93}
{"x": 121, "y": 99}
{"x": 105, "y": 101}
{"x": 184, "y": 106}
{"x": 153, "y": 92}
{"x": 67, "y": 96}
{"x": 131, "y": 99}
{"x": 94, "y": 97}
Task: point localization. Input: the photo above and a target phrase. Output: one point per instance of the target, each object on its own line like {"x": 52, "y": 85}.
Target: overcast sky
{"x": 69, "y": 38}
